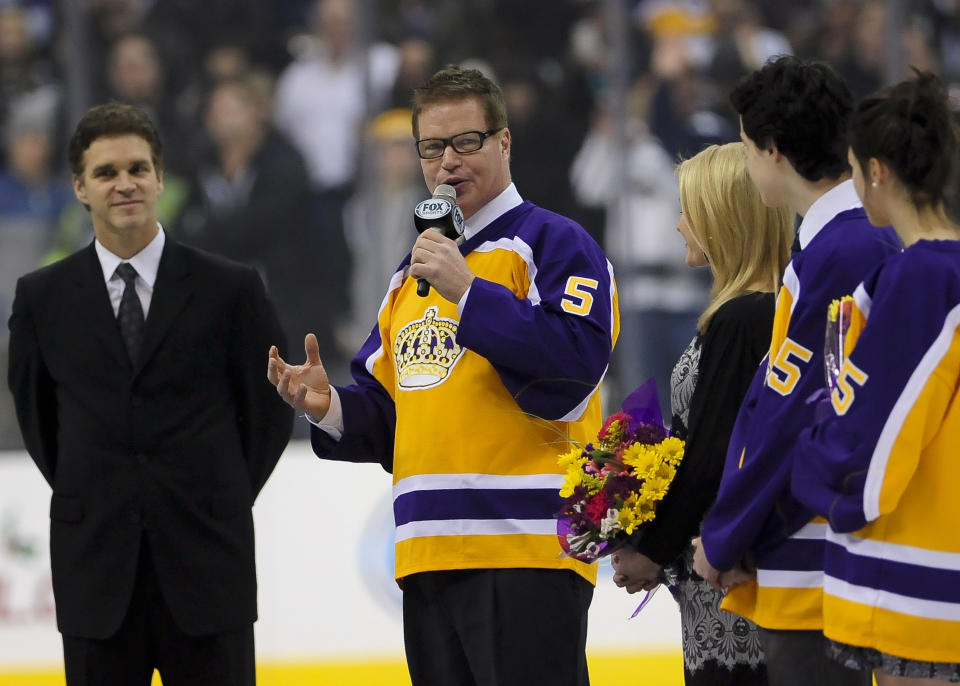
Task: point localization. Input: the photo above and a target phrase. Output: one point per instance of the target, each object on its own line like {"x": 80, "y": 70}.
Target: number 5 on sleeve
{"x": 576, "y": 299}
{"x": 784, "y": 374}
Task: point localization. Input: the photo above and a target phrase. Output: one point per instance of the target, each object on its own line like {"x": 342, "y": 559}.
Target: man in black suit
{"x": 136, "y": 367}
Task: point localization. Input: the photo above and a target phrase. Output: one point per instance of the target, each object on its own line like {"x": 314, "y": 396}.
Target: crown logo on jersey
{"x": 426, "y": 350}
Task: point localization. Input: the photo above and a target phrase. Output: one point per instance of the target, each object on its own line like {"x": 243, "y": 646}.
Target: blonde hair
{"x": 747, "y": 244}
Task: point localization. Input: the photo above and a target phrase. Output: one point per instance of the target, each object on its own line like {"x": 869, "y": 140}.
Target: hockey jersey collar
{"x": 840, "y": 198}
{"x": 503, "y": 203}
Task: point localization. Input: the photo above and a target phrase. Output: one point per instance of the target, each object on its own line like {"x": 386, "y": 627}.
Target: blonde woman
{"x": 746, "y": 245}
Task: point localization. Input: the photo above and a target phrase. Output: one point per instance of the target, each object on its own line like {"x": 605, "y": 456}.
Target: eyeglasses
{"x": 468, "y": 141}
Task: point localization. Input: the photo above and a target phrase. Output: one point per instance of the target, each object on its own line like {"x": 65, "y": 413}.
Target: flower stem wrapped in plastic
{"x": 612, "y": 487}
{"x": 835, "y": 348}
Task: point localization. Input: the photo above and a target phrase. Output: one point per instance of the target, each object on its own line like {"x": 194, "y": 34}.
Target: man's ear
{"x": 78, "y": 189}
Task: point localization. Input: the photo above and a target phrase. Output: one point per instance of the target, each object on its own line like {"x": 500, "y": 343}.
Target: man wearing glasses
{"x": 468, "y": 395}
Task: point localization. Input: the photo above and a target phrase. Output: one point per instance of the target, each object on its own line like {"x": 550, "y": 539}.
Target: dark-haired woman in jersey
{"x": 885, "y": 468}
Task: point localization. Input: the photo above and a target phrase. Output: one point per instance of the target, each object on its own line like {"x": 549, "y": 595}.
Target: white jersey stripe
{"x": 781, "y": 578}
{"x": 862, "y": 300}
{"x": 894, "y": 602}
{"x": 519, "y": 247}
{"x": 908, "y": 554}
{"x": 476, "y": 527}
{"x": 894, "y": 424}
{"x": 792, "y": 283}
{"x": 812, "y": 530}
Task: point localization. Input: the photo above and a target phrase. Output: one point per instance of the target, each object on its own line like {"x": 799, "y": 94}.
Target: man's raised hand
{"x": 305, "y": 387}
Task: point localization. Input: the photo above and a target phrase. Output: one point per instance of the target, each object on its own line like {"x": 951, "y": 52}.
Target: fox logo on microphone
{"x": 441, "y": 214}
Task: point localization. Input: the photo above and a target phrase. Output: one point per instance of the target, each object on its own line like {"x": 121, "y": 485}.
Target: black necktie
{"x": 130, "y": 314}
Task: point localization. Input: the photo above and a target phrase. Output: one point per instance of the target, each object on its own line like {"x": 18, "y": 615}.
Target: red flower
{"x": 622, "y": 417}
{"x": 597, "y": 507}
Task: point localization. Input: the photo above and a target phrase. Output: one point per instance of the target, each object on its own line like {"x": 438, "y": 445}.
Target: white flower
{"x": 610, "y": 524}
{"x": 593, "y": 550}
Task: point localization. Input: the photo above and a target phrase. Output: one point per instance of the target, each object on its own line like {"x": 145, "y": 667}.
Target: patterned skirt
{"x": 856, "y": 657}
{"x": 719, "y": 647}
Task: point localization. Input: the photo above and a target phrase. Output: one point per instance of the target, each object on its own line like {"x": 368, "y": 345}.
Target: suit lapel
{"x": 171, "y": 292}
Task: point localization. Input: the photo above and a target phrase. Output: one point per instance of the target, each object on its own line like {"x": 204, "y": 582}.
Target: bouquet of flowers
{"x": 835, "y": 347}
{"x": 612, "y": 486}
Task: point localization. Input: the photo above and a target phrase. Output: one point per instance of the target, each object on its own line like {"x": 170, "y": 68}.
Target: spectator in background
{"x": 409, "y": 18}
{"x": 136, "y": 76}
{"x": 322, "y": 100}
{"x": 685, "y": 114}
{"x": 32, "y": 200}
{"x": 944, "y": 22}
{"x": 660, "y": 298}
{"x": 248, "y": 193}
{"x": 24, "y": 71}
{"x": 741, "y": 43}
{"x": 186, "y": 31}
{"x": 863, "y": 50}
{"x": 549, "y": 136}
{"x": 589, "y": 47}
{"x": 417, "y": 60}
{"x": 379, "y": 219}
{"x": 855, "y": 41}
{"x": 109, "y": 21}
{"x": 30, "y": 190}
{"x": 226, "y": 59}
{"x": 836, "y": 25}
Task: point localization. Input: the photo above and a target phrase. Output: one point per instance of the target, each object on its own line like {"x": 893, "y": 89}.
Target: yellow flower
{"x": 666, "y": 471}
{"x": 629, "y": 514}
{"x": 593, "y": 482}
{"x": 833, "y": 310}
{"x": 671, "y": 449}
{"x": 643, "y": 459}
{"x": 568, "y": 458}
{"x": 645, "y": 509}
{"x": 654, "y": 488}
{"x": 573, "y": 462}
{"x": 572, "y": 479}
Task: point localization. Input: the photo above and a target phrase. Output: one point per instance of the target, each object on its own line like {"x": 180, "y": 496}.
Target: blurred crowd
{"x": 286, "y": 122}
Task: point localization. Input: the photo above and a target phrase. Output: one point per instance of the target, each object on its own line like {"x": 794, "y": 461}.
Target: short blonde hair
{"x": 746, "y": 243}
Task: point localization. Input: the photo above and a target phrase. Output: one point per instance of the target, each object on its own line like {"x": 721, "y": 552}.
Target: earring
{"x": 873, "y": 184}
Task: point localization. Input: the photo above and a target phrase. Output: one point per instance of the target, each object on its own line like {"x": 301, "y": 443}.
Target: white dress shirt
{"x": 146, "y": 262}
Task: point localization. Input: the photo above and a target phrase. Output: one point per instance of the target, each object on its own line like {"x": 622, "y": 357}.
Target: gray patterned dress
{"x": 718, "y": 647}
{"x": 707, "y": 386}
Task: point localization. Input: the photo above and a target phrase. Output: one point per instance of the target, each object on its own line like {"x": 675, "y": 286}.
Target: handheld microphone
{"x": 442, "y": 213}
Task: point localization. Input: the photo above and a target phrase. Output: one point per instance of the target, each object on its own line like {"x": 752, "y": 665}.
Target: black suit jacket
{"x": 175, "y": 448}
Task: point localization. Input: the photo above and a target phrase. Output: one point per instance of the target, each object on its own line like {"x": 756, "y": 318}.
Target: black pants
{"x": 149, "y": 639}
{"x": 799, "y": 658}
{"x": 496, "y": 627}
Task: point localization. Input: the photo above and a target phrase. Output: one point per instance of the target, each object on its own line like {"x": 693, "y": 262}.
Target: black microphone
{"x": 441, "y": 213}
